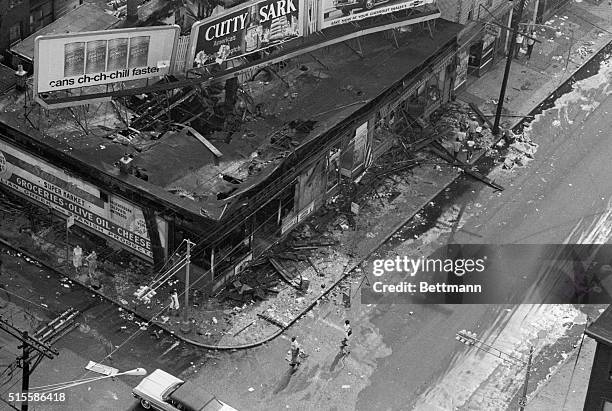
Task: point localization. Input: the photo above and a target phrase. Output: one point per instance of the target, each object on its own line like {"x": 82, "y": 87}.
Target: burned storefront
{"x": 234, "y": 166}
{"x": 324, "y": 118}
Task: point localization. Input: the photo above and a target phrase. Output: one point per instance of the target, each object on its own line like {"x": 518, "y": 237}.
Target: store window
{"x": 231, "y": 250}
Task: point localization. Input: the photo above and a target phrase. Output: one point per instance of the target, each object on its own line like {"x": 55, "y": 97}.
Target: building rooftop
{"x": 316, "y": 92}
{"x": 601, "y": 328}
{"x": 86, "y": 17}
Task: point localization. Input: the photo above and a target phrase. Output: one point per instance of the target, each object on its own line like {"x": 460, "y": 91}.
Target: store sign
{"x": 335, "y": 12}
{"x": 243, "y": 264}
{"x": 115, "y": 218}
{"x": 73, "y": 60}
{"x": 305, "y": 212}
{"x": 245, "y": 29}
{"x": 288, "y": 224}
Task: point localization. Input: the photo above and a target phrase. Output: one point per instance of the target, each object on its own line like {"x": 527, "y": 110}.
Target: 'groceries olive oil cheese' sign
{"x": 245, "y": 29}
{"x": 73, "y": 60}
{"x": 105, "y": 214}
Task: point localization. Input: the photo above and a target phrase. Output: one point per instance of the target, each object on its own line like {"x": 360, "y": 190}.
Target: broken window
{"x": 233, "y": 248}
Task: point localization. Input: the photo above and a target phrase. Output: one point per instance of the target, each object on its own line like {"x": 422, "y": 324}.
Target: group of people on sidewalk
{"x": 465, "y": 138}
{"x": 525, "y": 41}
{"x": 296, "y": 349}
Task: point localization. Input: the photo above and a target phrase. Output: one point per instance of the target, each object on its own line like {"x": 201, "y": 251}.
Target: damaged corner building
{"x": 233, "y": 159}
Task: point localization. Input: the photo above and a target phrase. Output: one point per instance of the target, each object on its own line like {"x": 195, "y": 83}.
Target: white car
{"x": 162, "y": 391}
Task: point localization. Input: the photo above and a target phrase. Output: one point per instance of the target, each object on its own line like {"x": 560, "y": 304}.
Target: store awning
{"x": 86, "y": 17}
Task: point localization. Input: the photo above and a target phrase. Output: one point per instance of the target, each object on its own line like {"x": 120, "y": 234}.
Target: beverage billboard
{"x": 335, "y": 12}
{"x": 245, "y": 29}
{"x": 104, "y": 214}
{"x": 73, "y": 60}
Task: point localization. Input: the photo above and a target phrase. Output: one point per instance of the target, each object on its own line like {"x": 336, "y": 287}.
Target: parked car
{"x": 162, "y": 391}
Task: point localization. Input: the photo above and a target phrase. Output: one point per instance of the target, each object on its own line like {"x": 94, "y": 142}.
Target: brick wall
{"x": 13, "y": 13}
{"x": 600, "y": 385}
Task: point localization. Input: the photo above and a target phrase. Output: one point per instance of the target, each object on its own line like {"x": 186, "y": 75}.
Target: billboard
{"x": 73, "y": 60}
{"x": 335, "y": 12}
{"x": 104, "y": 214}
{"x": 245, "y": 29}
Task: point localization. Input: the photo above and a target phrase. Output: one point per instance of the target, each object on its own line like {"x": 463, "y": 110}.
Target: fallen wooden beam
{"x": 313, "y": 265}
{"x": 271, "y": 320}
{"x": 441, "y": 152}
{"x": 207, "y": 143}
{"x": 284, "y": 273}
{"x": 481, "y": 115}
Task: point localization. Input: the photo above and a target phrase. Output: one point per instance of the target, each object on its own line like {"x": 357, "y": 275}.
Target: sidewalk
{"x": 566, "y": 389}
{"x": 382, "y": 211}
{"x": 579, "y": 30}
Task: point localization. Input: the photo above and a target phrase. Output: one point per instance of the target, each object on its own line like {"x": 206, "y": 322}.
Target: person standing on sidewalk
{"x": 174, "y": 303}
{"x": 519, "y": 44}
{"x": 530, "y": 44}
{"x": 77, "y": 258}
{"x": 92, "y": 264}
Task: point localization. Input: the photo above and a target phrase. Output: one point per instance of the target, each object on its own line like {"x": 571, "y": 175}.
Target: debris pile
{"x": 520, "y": 151}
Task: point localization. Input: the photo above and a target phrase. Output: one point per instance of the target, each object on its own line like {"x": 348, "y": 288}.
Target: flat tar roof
{"x": 181, "y": 169}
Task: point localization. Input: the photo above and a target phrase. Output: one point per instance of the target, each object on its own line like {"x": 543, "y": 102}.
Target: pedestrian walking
{"x": 174, "y": 302}
{"x": 530, "y": 44}
{"x": 519, "y": 44}
{"x": 295, "y": 352}
{"x": 77, "y": 258}
{"x": 347, "y": 333}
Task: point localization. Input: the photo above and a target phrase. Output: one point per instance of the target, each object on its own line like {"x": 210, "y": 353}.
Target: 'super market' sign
{"x": 245, "y": 29}
{"x": 73, "y": 60}
{"x": 114, "y": 217}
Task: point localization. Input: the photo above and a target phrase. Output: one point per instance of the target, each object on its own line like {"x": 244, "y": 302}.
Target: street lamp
{"x": 45, "y": 389}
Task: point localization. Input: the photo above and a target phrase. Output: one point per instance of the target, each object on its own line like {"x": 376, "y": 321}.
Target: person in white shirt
{"x": 530, "y": 44}
{"x": 519, "y": 44}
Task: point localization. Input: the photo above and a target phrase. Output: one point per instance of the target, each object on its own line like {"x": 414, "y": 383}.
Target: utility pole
{"x": 523, "y": 400}
{"x": 186, "y": 326}
{"x": 502, "y": 93}
{"x": 28, "y": 344}
{"x": 25, "y": 379}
